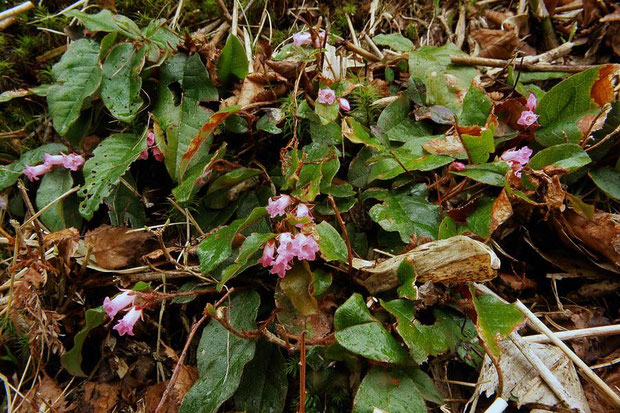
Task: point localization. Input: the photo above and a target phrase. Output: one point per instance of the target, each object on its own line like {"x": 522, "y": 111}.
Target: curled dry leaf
{"x": 453, "y": 260}
{"x": 496, "y": 44}
{"x": 45, "y": 395}
{"x": 66, "y": 241}
{"x": 185, "y": 380}
{"x": 602, "y": 233}
{"x": 116, "y": 247}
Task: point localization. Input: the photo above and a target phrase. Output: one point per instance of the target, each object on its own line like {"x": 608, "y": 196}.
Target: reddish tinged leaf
{"x": 602, "y": 91}
{"x": 201, "y": 137}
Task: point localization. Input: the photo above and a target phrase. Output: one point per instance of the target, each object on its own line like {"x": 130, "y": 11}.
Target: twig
{"x": 177, "y": 368}
{"x": 595, "y": 380}
{"x": 37, "y": 224}
{"x": 352, "y": 30}
{"x": 14, "y": 11}
{"x": 574, "y": 334}
{"x": 530, "y": 67}
{"x": 48, "y": 206}
{"x": 606, "y": 138}
{"x": 359, "y": 51}
{"x": 344, "y": 232}
{"x": 374, "y": 47}
{"x": 224, "y": 10}
{"x": 302, "y": 375}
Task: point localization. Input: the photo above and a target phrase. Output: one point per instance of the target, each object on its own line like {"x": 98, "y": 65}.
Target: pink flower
{"x": 150, "y": 138}
{"x": 320, "y": 40}
{"x": 531, "y": 102}
{"x": 125, "y": 325}
{"x": 303, "y": 211}
{"x": 458, "y": 166}
{"x": 277, "y": 205}
{"x": 73, "y": 161}
{"x": 144, "y": 154}
{"x": 286, "y": 248}
{"x": 281, "y": 265}
{"x": 302, "y": 38}
{"x": 305, "y": 247}
{"x": 118, "y": 303}
{"x": 268, "y": 252}
{"x": 517, "y": 159}
{"x": 326, "y": 96}
{"x": 33, "y": 172}
{"x": 51, "y": 160}
{"x": 344, "y": 104}
{"x": 157, "y": 154}
{"x": 528, "y": 118}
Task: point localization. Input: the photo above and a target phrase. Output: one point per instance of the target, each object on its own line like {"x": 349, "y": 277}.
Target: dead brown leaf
{"x": 47, "y": 395}
{"x": 99, "y": 397}
{"x": 450, "y": 145}
{"x": 496, "y": 44}
{"x": 602, "y": 234}
{"x": 115, "y": 247}
{"x": 186, "y": 378}
{"x": 501, "y": 211}
{"x": 66, "y": 241}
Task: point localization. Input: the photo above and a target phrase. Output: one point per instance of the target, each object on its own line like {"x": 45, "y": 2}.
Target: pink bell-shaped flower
{"x": 118, "y": 303}
{"x": 126, "y": 324}
{"x": 326, "y": 96}
{"x": 33, "y": 172}
{"x": 73, "y": 161}
{"x": 277, "y": 205}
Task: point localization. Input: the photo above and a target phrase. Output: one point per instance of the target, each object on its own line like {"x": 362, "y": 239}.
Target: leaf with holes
{"x": 77, "y": 76}
{"x": 121, "y": 84}
{"x": 183, "y": 85}
{"x": 103, "y": 171}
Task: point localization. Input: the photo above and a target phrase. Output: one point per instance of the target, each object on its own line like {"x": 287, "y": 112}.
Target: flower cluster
{"x": 305, "y": 38}
{"x": 327, "y": 96}
{"x": 528, "y": 117}
{"x": 290, "y": 246}
{"x": 124, "y": 300}
{"x": 72, "y": 161}
{"x": 155, "y": 151}
{"x": 517, "y": 159}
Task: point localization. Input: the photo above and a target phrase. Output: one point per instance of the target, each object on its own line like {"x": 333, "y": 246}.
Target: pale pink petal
{"x": 287, "y": 248}
{"x": 344, "y": 104}
{"x": 531, "y": 102}
{"x": 320, "y": 41}
{"x": 150, "y": 139}
{"x": 157, "y": 154}
{"x": 277, "y": 205}
{"x": 51, "y": 160}
{"x": 126, "y": 324}
{"x": 326, "y": 96}
{"x": 306, "y": 247}
{"x": 33, "y": 172}
{"x": 302, "y": 38}
{"x": 281, "y": 265}
{"x": 303, "y": 211}
{"x": 73, "y": 161}
{"x": 268, "y": 252}
{"x": 517, "y": 159}
{"x": 458, "y": 166}
{"x": 118, "y": 303}
{"x": 528, "y": 118}
{"x": 144, "y": 154}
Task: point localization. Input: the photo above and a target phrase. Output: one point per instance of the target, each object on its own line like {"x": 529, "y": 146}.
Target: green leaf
{"x": 566, "y": 156}
{"x": 407, "y": 276}
{"x": 124, "y": 206}
{"x": 183, "y": 84}
{"x": 77, "y": 76}
{"x": 479, "y": 221}
{"x": 217, "y": 247}
{"x": 447, "y": 228}
{"x": 358, "y": 133}
{"x": 476, "y": 107}
{"x": 487, "y": 173}
{"x": 608, "y": 180}
{"x": 64, "y": 213}
{"x": 564, "y": 106}
{"x": 233, "y": 62}
{"x": 479, "y": 147}
{"x": 408, "y": 213}
{"x": 396, "y": 124}
{"x": 395, "y": 41}
{"x": 72, "y": 359}
{"x": 361, "y": 333}
{"x": 11, "y": 172}
{"x": 296, "y": 287}
{"x": 105, "y": 21}
{"x": 320, "y": 165}
{"x": 246, "y": 258}
{"x": 103, "y": 171}
{"x": 330, "y": 134}
{"x": 321, "y": 281}
{"x": 265, "y": 123}
{"x": 496, "y": 320}
{"x": 388, "y": 391}
{"x": 121, "y": 84}
{"x": 326, "y": 113}
{"x": 222, "y": 356}
{"x": 424, "y": 340}
{"x": 445, "y": 82}
{"x": 331, "y": 244}
{"x": 264, "y": 383}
